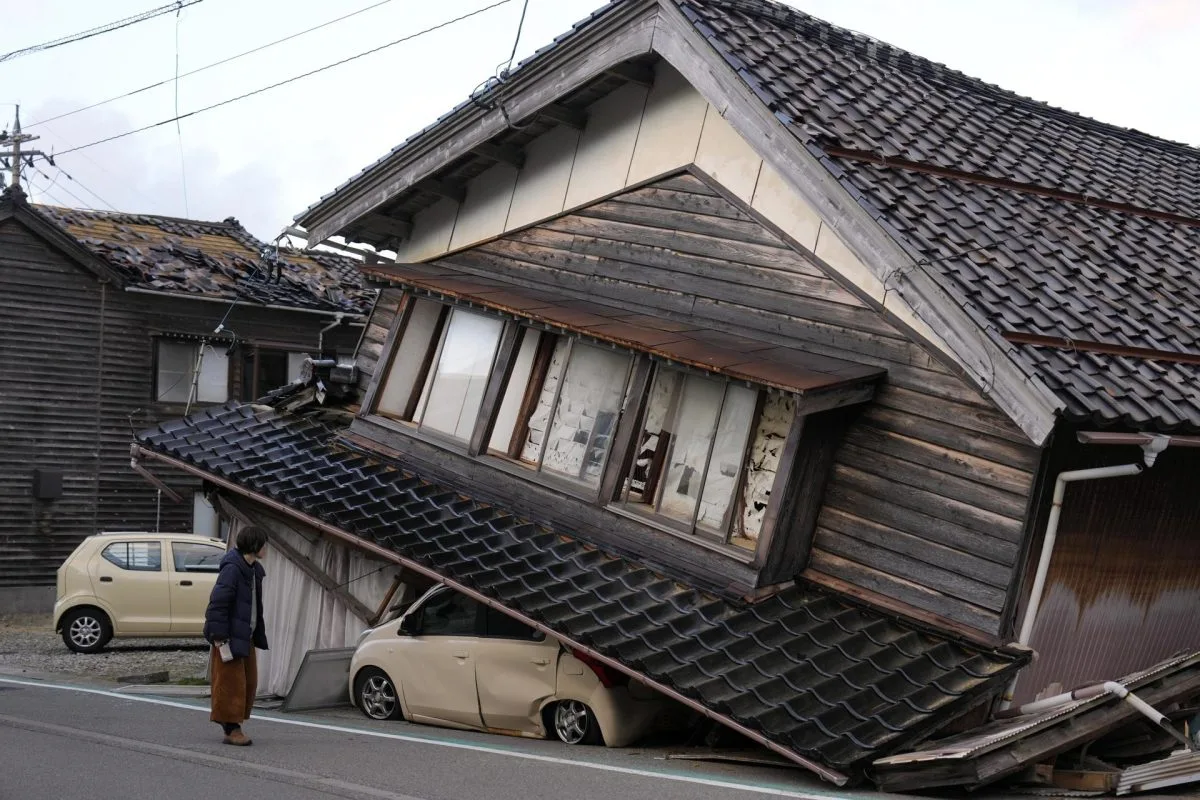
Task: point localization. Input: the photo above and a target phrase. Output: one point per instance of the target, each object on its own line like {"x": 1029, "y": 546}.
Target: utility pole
{"x": 13, "y": 158}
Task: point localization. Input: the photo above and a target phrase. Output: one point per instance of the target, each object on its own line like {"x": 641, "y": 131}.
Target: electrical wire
{"x": 187, "y": 212}
{"x": 276, "y": 85}
{"x": 258, "y": 49}
{"x": 178, "y": 5}
{"x": 124, "y": 180}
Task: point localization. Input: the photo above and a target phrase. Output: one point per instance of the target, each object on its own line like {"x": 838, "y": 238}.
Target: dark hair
{"x": 251, "y": 539}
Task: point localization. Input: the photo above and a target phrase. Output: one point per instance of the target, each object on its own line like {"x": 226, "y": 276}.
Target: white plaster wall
{"x": 541, "y": 190}
{"x": 671, "y": 126}
{"x": 726, "y": 156}
{"x": 485, "y": 208}
{"x": 432, "y": 229}
{"x": 606, "y": 147}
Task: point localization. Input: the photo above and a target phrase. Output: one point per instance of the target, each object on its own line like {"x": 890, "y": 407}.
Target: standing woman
{"x": 234, "y": 618}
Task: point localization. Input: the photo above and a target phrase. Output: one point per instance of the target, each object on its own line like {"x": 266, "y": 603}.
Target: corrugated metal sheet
{"x": 1177, "y": 769}
{"x": 1124, "y": 585}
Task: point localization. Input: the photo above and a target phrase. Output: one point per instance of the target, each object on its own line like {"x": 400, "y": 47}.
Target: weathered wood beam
{"x": 391, "y": 226}
{"x": 500, "y": 153}
{"x": 387, "y": 598}
{"x": 451, "y": 190}
{"x": 835, "y": 398}
{"x": 564, "y": 116}
{"x": 634, "y": 73}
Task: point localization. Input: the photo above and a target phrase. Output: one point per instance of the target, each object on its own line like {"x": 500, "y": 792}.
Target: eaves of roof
{"x": 476, "y": 119}
{"x": 829, "y": 683}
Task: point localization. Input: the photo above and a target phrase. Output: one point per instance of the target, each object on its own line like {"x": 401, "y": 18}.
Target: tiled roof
{"x": 830, "y": 681}
{"x": 219, "y": 260}
{"x": 1010, "y": 202}
{"x": 746, "y": 359}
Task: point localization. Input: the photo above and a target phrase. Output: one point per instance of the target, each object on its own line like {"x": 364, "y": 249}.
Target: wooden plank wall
{"x": 78, "y": 366}
{"x": 928, "y": 495}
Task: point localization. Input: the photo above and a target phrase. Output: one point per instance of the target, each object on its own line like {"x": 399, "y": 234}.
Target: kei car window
{"x": 136, "y": 556}
{"x": 190, "y": 557}
{"x": 502, "y": 626}
{"x": 449, "y": 614}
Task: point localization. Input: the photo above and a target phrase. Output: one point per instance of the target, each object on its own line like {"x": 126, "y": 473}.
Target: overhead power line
{"x": 276, "y": 85}
{"x": 164, "y": 82}
{"x": 179, "y": 5}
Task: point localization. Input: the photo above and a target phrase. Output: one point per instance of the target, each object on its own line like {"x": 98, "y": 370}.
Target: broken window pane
{"x": 573, "y": 392}
{"x": 728, "y": 456}
{"x": 586, "y": 414}
{"x": 766, "y": 446}
{"x": 692, "y": 451}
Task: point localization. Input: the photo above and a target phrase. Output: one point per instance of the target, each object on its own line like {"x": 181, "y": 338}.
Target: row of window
{"x": 182, "y": 364}
{"x": 706, "y": 450}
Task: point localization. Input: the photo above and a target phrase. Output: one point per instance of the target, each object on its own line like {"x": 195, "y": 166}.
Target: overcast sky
{"x": 264, "y": 159}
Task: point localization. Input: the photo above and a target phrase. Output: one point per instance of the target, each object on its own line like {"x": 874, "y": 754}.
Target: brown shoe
{"x": 238, "y": 739}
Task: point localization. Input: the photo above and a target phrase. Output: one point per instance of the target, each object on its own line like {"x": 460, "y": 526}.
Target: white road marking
{"x": 766, "y": 789}
{"x": 266, "y": 771}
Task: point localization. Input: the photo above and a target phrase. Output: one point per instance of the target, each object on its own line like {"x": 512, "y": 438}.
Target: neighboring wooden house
{"x": 801, "y": 325}
{"x": 104, "y": 318}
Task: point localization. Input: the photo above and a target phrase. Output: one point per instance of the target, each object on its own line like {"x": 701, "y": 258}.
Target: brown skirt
{"x": 233, "y": 687}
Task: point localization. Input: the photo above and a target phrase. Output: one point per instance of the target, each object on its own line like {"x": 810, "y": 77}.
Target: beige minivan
{"x": 135, "y": 585}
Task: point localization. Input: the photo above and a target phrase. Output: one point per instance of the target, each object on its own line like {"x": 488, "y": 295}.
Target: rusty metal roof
{"x": 214, "y": 260}
{"x": 738, "y": 357}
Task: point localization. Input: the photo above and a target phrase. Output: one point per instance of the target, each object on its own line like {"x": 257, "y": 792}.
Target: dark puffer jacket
{"x": 228, "y": 613}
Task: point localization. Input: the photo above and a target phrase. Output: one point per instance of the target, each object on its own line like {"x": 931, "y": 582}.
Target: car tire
{"x": 376, "y": 696}
{"x": 86, "y": 630}
{"x": 574, "y": 723}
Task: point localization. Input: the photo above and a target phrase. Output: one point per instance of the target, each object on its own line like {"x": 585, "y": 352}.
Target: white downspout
{"x": 1151, "y": 449}
{"x": 1043, "y": 568}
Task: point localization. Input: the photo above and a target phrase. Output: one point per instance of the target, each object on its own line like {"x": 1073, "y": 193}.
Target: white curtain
{"x": 301, "y": 615}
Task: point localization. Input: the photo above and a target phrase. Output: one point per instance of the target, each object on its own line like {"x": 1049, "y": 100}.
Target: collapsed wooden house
{"x": 745, "y": 353}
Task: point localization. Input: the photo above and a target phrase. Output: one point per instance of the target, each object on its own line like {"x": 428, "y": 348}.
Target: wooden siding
{"x": 78, "y": 358}
{"x": 926, "y": 503}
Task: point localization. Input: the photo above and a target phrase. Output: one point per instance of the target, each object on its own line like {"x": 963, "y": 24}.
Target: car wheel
{"x": 86, "y": 630}
{"x": 376, "y": 695}
{"x": 574, "y": 723}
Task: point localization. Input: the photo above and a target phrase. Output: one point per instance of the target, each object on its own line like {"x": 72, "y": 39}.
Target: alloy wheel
{"x": 571, "y": 721}
{"x": 85, "y": 631}
{"x": 378, "y": 697}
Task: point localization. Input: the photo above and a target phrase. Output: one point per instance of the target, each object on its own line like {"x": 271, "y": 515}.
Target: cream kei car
{"x": 135, "y": 585}
{"x": 451, "y": 661}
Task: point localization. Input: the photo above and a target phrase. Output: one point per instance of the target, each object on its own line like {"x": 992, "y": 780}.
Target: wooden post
{"x": 387, "y": 599}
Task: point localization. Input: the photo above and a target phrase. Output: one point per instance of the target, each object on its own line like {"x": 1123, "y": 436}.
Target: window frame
{"x": 175, "y": 567}
{"x": 128, "y": 565}
{"x": 607, "y": 497}
{"x": 619, "y": 500}
{"x": 421, "y": 390}
{"x": 194, "y": 343}
{"x": 510, "y": 457}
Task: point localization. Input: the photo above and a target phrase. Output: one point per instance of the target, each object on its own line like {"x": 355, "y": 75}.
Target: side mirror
{"x": 410, "y": 625}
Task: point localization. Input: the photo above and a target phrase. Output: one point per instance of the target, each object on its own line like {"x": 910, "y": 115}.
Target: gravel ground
{"x": 29, "y": 644}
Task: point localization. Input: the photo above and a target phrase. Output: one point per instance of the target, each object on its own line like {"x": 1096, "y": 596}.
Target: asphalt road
{"x": 86, "y": 743}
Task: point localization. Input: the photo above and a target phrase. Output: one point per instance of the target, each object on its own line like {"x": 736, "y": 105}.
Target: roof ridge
{"x": 879, "y": 50}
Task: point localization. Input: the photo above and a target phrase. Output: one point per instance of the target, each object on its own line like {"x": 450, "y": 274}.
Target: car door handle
{"x": 106, "y": 579}
{"x": 185, "y": 583}
{"x": 541, "y": 662}
{"x": 460, "y": 655}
